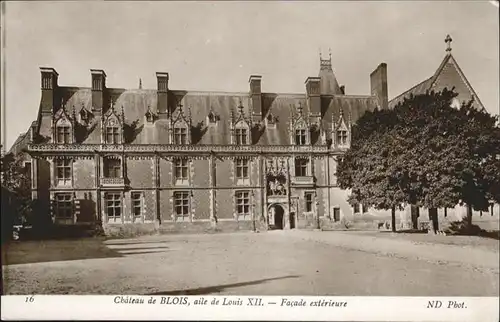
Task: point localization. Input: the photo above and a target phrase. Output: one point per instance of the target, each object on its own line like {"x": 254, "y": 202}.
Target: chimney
{"x": 342, "y": 89}
{"x": 98, "y": 87}
{"x": 378, "y": 84}
{"x": 162, "y": 92}
{"x": 313, "y": 95}
{"x": 49, "y": 89}
{"x": 256, "y": 94}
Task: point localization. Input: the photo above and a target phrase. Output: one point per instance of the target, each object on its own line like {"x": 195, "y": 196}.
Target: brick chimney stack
{"x": 49, "y": 87}
{"x": 162, "y": 93}
{"x": 378, "y": 85}
{"x": 256, "y": 94}
{"x": 98, "y": 90}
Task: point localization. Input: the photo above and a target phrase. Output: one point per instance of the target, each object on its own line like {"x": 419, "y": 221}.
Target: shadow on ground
{"x": 117, "y": 242}
{"x": 219, "y": 288}
{"x": 25, "y": 252}
{"x": 39, "y": 251}
{"x": 474, "y": 231}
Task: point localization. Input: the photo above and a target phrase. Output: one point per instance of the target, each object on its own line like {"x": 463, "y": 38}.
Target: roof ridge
{"x": 410, "y": 89}
{"x": 466, "y": 81}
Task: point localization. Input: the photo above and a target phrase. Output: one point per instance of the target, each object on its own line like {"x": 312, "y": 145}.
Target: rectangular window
{"x": 180, "y": 135}
{"x": 342, "y": 137}
{"x": 242, "y": 168}
{"x": 242, "y": 203}
{"x": 63, "y": 171}
{"x": 181, "y": 169}
{"x": 64, "y": 206}
{"x": 336, "y": 214}
{"x": 181, "y": 204}
{"x": 63, "y": 134}
{"x": 241, "y": 136}
{"x": 136, "y": 204}
{"x": 27, "y": 169}
{"x": 365, "y": 208}
{"x": 355, "y": 207}
{"x": 308, "y": 196}
{"x": 112, "y": 135}
{"x": 300, "y": 137}
{"x": 112, "y": 168}
{"x": 114, "y": 205}
{"x": 301, "y": 167}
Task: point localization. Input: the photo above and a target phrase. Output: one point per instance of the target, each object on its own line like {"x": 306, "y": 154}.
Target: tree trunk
{"x": 433, "y": 217}
{"x": 414, "y": 216}
{"x": 469, "y": 216}
{"x": 393, "y": 219}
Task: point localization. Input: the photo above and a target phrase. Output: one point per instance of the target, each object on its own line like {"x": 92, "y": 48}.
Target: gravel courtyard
{"x": 268, "y": 263}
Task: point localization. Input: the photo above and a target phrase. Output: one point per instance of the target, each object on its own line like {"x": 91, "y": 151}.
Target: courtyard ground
{"x": 268, "y": 263}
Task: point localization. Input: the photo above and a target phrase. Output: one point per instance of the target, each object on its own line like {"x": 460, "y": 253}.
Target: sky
{"x": 216, "y": 46}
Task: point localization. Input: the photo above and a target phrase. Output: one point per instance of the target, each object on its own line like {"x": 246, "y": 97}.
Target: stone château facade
{"x": 178, "y": 160}
{"x": 184, "y": 160}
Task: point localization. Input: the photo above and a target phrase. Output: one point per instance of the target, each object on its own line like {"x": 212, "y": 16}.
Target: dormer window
{"x": 149, "y": 116}
{"x": 63, "y": 135}
{"x": 181, "y": 127}
{"x": 113, "y": 126}
{"x": 212, "y": 118}
{"x": 300, "y": 137}
{"x": 240, "y": 127}
{"x": 271, "y": 120}
{"x": 85, "y": 116}
{"x": 340, "y": 130}
{"x": 342, "y": 137}
{"x": 300, "y": 133}
{"x": 241, "y": 136}
{"x": 180, "y": 135}
{"x": 112, "y": 134}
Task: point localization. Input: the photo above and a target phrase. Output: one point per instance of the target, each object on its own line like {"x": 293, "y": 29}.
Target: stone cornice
{"x": 151, "y": 149}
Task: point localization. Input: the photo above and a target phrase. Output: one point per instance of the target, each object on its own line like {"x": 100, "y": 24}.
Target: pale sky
{"x": 218, "y": 45}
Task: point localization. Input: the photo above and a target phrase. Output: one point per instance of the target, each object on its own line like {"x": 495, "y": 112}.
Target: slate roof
{"x": 21, "y": 142}
{"x": 448, "y": 74}
{"x": 136, "y": 102}
{"x": 198, "y": 104}
{"x": 329, "y": 83}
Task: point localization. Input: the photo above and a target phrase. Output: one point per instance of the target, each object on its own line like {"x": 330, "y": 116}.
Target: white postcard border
{"x": 293, "y": 308}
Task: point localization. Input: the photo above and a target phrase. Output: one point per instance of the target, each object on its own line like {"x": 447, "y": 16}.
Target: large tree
{"x": 16, "y": 181}
{"x": 424, "y": 153}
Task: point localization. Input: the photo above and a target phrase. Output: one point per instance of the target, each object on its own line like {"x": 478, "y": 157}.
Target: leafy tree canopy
{"x": 423, "y": 152}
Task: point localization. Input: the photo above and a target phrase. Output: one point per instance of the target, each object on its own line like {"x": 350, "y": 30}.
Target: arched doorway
{"x": 279, "y": 213}
{"x": 276, "y": 216}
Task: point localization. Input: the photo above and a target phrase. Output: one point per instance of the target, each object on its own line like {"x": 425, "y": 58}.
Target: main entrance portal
{"x": 276, "y": 217}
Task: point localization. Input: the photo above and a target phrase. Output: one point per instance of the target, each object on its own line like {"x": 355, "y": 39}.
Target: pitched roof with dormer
{"x": 138, "y": 104}
{"x": 449, "y": 75}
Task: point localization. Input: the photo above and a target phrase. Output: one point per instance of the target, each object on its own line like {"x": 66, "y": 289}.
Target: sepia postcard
{"x": 231, "y": 160}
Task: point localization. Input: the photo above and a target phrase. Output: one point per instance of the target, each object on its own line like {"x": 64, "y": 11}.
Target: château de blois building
{"x": 180, "y": 160}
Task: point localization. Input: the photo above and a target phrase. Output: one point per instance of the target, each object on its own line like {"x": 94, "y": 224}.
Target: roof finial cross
{"x": 448, "y": 41}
